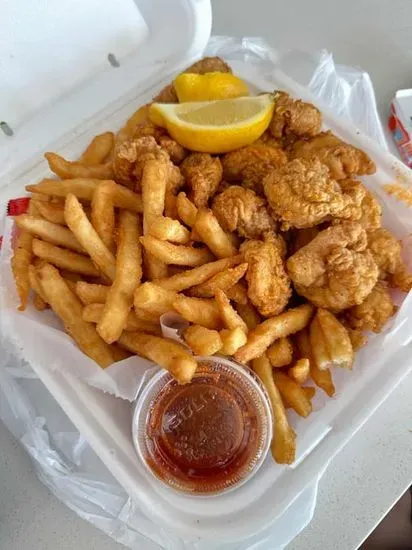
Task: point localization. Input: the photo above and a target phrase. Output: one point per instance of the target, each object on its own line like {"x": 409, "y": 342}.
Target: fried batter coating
{"x": 335, "y": 270}
{"x": 129, "y": 159}
{"x": 269, "y": 286}
{"x": 342, "y": 159}
{"x": 367, "y": 210}
{"x": 239, "y": 209}
{"x": 387, "y": 253}
{"x": 293, "y": 116}
{"x": 252, "y": 163}
{"x": 202, "y": 173}
{"x": 176, "y": 152}
{"x": 374, "y": 311}
{"x": 302, "y": 194}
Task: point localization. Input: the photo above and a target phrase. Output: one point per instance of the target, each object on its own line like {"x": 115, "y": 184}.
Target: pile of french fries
{"x": 109, "y": 263}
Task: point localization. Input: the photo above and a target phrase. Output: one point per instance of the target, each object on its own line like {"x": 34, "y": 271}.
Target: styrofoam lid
{"x": 63, "y": 62}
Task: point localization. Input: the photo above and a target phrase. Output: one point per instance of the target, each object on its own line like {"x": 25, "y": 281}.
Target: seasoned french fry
{"x": 280, "y": 353}
{"x": 186, "y": 210}
{"x": 199, "y": 311}
{"x": 300, "y": 371}
{"x": 39, "y": 303}
{"x": 119, "y": 353}
{"x": 284, "y": 438}
{"x": 310, "y": 392}
{"x": 168, "y": 354}
{"x": 210, "y": 232}
{"x": 167, "y": 229}
{"x": 322, "y": 378}
{"x": 50, "y": 232}
{"x": 128, "y": 130}
{"x": 336, "y": 338}
{"x": 102, "y": 215}
{"x": 93, "y": 313}
{"x": 22, "y": 256}
{"x": 238, "y": 293}
{"x": 68, "y": 307}
{"x": 292, "y": 393}
{"x": 98, "y": 149}
{"x": 232, "y": 340}
{"x": 202, "y": 341}
{"x": 51, "y": 212}
{"x": 84, "y": 188}
{"x": 249, "y": 314}
{"x": 260, "y": 338}
{"x": 65, "y": 259}
{"x": 154, "y": 299}
{"x": 176, "y": 254}
{"x": 198, "y": 275}
{"x": 128, "y": 276}
{"x": 223, "y": 281}
{"x": 66, "y": 169}
{"x": 35, "y": 283}
{"x": 91, "y": 294}
{"x": 231, "y": 319}
{"x": 85, "y": 233}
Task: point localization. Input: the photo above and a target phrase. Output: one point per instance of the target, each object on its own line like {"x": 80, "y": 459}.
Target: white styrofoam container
{"x": 104, "y": 102}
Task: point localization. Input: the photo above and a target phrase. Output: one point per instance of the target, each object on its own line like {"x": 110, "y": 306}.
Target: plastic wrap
{"x": 63, "y": 459}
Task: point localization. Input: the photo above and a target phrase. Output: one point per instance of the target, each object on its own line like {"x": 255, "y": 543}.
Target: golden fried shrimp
{"x": 387, "y": 253}
{"x": 364, "y": 207}
{"x": 252, "y": 163}
{"x": 176, "y": 152}
{"x": 335, "y": 270}
{"x": 268, "y": 284}
{"x": 293, "y": 116}
{"x": 239, "y": 209}
{"x": 302, "y": 194}
{"x": 342, "y": 159}
{"x": 373, "y": 312}
{"x": 202, "y": 173}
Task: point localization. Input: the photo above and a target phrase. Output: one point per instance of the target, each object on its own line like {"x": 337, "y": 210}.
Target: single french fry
{"x": 128, "y": 276}
{"x": 310, "y": 392}
{"x": 49, "y": 211}
{"x": 128, "y": 130}
{"x": 68, "y": 307}
{"x": 91, "y": 293}
{"x": 322, "y": 378}
{"x": 60, "y": 257}
{"x": 154, "y": 299}
{"x": 238, "y": 293}
{"x": 292, "y": 393}
{"x": 147, "y": 316}
{"x": 176, "y": 254}
{"x": 186, "y": 210}
{"x": 232, "y": 340}
{"x": 223, "y": 281}
{"x": 170, "y": 355}
{"x": 300, "y": 371}
{"x": 84, "y": 188}
{"x": 93, "y": 313}
{"x": 260, "y": 338}
{"x": 66, "y": 169}
{"x": 337, "y": 340}
{"x": 199, "y": 311}
{"x": 284, "y": 438}
{"x": 249, "y": 314}
{"x": 39, "y": 303}
{"x": 211, "y": 233}
{"x": 171, "y": 205}
{"x": 202, "y": 341}
{"x": 50, "y": 232}
{"x": 85, "y": 233}
{"x": 167, "y": 229}
{"x": 197, "y": 275}
{"x": 35, "y": 283}
{"x": 231, "y": 319}
{"x": 98, "y": 149}
{"x": 119, "y": 353}
{"x": 102, "y": 216}
{"x": 280, "y": 353}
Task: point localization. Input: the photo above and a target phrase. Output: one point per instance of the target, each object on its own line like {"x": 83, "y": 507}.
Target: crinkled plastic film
{"x": 64, "y": 461}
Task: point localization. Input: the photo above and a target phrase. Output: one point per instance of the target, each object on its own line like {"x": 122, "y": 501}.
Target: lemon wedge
{"x": 209, "y": 86}
{"x": 215, "y": 126}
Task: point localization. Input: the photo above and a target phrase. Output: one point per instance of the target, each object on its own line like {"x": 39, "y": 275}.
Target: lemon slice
{"x": 209, "y": 86}
{"x": 215, "y": 126}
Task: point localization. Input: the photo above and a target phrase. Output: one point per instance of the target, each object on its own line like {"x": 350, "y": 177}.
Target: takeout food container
{"x": 103, "y": 100}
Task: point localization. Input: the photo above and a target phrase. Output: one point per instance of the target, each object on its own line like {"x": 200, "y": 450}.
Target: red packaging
{"x": 400, "y": 124}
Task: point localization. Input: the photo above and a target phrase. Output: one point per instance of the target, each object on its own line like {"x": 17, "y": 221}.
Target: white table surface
{"x": 375, "y": 468}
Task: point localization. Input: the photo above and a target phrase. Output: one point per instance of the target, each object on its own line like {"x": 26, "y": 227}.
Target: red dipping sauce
{"x": 207, "y": 436}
